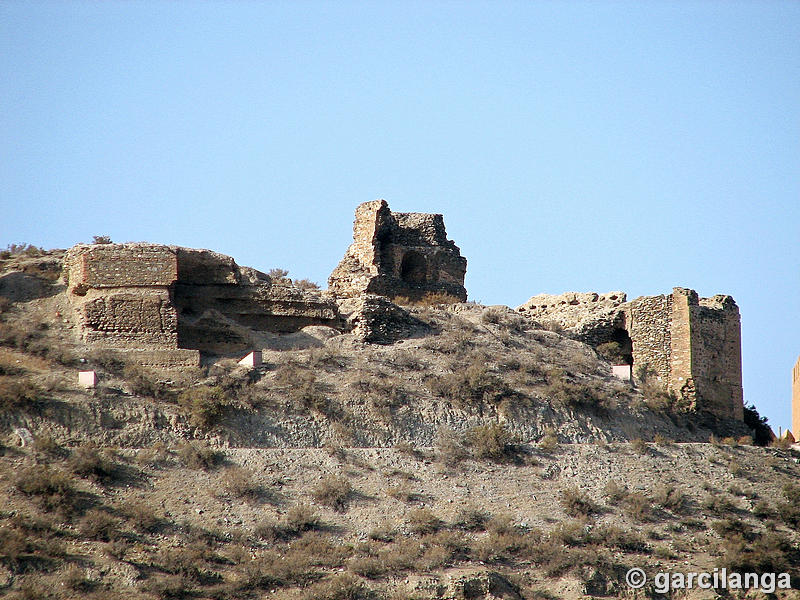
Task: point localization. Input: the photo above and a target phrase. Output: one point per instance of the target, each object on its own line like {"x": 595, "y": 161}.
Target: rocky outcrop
{"x": 375, "y": 320}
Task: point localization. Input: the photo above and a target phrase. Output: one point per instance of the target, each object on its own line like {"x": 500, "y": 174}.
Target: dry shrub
{"x": 403, "y": 492}
{"x": 549, "y": 441}
{"x": 469, "y": 386}
{"x": 17, "y": 393}
{"x": 577, "y": 504}
{"x": 450, "y": 447}
{"x": 429, "y": 299}
{"x": 789, "y": 510}
{"x": 491, "y": 442}
{"x": 301, "y": 388}
{"x": 197, "y": 456}
{"x": 143, "y": 382}
{"x": 638, "y": 506}
{"x": 98, "y": 524}
{"x": 342, "y": 586}
{"x": 615, "y": 492}
{"x": 53, "y": 488}
{"x": 238, "y": 482}
{"x": 423, "y": 521}
{"x": 611, "y": 351}
{"x": 472, "y": 518}
{"x": 333, "y": 491}
{"x": 575, "y": 395}
{"x": 154, "y": 456}
{"x": 669, "y": 497}
{"x": 167, "y": 587}
{"x": 94, "y": 463}
{"x": 717, "y": 504}
{"x": 305, "y": 284}
{"x": 639, "y": 446}
{"x": 142, "y": 516}
{"x": 47, "y": 446}
{"x": 301, "y": 518}
{"x": 206, "y": 405}
{"x": 770, "y": 552}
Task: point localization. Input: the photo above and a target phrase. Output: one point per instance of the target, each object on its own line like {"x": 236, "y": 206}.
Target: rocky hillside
{"x": 479, "y": 456}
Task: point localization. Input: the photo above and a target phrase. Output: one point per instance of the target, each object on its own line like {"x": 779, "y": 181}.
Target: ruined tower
{"x": 399, "y": 254}
{"x": 691, "y": 345}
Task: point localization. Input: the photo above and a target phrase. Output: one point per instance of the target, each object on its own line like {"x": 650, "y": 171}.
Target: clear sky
{"x": 571, "y": 146}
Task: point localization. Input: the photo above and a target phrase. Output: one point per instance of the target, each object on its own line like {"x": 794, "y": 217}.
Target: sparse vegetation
{"x": 333, "y": 491}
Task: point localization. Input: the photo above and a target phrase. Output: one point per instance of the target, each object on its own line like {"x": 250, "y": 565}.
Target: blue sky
{"x": 571, "y": 146}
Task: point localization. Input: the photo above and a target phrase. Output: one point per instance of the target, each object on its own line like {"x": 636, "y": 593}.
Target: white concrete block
{"x": 87, "y": 379}
{"x": 252, "y": 360}
{"x": 622, "y": 372}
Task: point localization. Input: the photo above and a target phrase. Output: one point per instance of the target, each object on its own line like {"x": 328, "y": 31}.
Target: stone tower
{"x": 399, "y": 254}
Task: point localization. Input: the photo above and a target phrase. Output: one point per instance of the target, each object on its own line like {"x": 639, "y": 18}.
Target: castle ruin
{"x": 162, "y": 306}
{"x": 692, "y": 345}
{"x": 399, "y": 254}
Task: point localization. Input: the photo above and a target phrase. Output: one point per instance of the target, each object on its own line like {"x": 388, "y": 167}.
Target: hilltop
{"x": 395, "y": 442}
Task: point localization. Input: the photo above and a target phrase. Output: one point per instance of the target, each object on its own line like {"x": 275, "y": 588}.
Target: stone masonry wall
{"x": 693, "y": 344}
{"x": 717, "y": 356}
{"x": 648, "y": 323}
{"x": 399, "y": 254}
{"x": 159, "y": 305}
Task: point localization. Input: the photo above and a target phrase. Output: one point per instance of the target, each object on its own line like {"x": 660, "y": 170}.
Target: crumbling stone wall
{"x": 399, "y": 254}
{"x": 692, "y": 344}
{"x": 716, "y": 353}
{"x": 161, "y": 304}
{"x": 648, "y": 321}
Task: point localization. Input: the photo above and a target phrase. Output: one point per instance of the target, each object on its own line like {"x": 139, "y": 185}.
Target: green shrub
{"x": 205, "y": 404}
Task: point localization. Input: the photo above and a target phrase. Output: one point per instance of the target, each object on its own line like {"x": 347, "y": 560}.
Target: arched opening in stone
{"x": 413, "y": 268}
{"x": 625, "y": 352}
